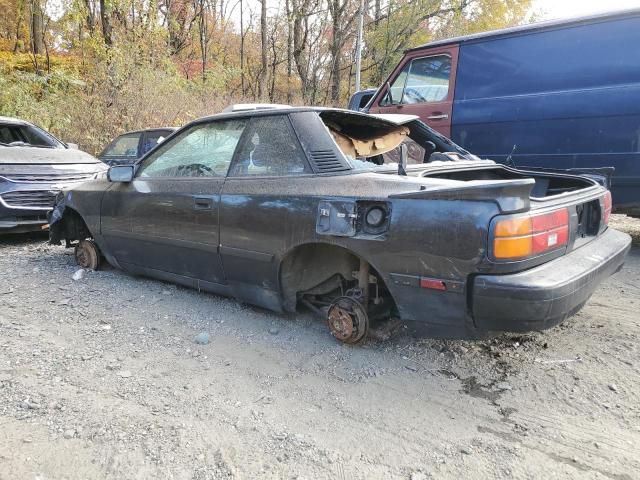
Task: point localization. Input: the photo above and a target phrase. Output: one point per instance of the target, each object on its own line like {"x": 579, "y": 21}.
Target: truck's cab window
{"x": 423, "y": 80}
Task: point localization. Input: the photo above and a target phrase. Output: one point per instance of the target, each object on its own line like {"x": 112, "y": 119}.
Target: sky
{"x": 552, "y": 9}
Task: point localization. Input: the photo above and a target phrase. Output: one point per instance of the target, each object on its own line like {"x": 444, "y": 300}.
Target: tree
{"x": 343, "y": 14}
{"x": 37, "y": 29}
{"x": 262, "y": 86}
{"x": 124, "y": 64}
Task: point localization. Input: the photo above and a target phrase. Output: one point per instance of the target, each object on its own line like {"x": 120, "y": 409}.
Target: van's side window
{"x": 423, "y": 80}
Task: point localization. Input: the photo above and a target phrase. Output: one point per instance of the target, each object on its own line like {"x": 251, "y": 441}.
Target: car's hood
{"x": 35, "y": 155}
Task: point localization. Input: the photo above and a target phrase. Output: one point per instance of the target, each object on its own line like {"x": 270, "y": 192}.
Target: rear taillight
{"x": 606, "y": 208}
{"x": 530, "y": 235}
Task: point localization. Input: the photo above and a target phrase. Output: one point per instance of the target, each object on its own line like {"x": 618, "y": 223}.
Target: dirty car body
{"x": 34, "y": 167}
{"x": 305, "y": 206}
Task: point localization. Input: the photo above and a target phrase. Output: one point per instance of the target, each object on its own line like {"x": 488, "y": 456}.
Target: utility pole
{"x": 359, "y": 44}
{"x": 241, "y": 50}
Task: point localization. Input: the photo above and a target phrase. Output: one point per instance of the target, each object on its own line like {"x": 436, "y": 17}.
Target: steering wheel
{"x": 415, "y": 95}
{"x": 197, "y": 168}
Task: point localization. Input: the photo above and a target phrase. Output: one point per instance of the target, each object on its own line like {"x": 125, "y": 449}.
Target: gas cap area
{"x": 340, "y": 218}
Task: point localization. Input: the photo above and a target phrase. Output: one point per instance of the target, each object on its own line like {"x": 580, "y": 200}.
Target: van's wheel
{"x": 348, "y": 320}
{"x": 87, "y": 254}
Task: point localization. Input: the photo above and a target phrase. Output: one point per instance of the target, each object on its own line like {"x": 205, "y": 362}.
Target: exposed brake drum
{"x": 348, "y": 320}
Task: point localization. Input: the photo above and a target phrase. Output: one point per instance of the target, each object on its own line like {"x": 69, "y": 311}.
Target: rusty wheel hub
{"x": 347, "y": 319}
{"x": 87, "y": 254}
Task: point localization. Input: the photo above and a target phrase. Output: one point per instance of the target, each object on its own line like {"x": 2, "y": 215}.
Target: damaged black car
{"x": 358, "y": 217}
{"x": 34, "y": 167}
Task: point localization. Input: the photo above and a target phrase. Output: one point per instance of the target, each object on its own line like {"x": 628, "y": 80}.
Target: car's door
{"x": 423, "y": 85}
{"x": 259, "y": 201}
{"x": 166, "y": 219}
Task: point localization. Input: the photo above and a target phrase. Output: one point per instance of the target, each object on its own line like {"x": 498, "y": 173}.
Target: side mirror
{"x": 120, "y": 173}
{"x": 404, "y": 155}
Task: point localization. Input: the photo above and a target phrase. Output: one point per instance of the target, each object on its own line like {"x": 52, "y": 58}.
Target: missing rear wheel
{"x": 348, "y": 320}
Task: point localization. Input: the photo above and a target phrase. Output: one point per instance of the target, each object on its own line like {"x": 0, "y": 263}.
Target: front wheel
{"x": 87, "y": 254}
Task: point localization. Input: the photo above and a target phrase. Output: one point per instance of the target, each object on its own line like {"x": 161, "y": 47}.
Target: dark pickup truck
{"x": 357, "y": 217}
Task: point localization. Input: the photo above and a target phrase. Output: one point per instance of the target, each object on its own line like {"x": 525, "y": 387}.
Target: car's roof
{"x": 245, "y": 107}
{"x": 533, "y": 27}
{"x": 173, "y": 129}
{"x": 14, "y": 121}
{"x": 276, "y": 109}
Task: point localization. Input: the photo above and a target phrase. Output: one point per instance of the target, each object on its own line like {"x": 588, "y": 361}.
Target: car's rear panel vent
{"x": 326, "y": 161}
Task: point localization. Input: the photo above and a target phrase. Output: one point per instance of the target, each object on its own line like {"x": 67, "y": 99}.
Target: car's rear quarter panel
{"x": 426, "y": 238}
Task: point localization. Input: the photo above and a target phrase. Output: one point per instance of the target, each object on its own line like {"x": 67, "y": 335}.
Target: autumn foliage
{"x": 89, "y": 70}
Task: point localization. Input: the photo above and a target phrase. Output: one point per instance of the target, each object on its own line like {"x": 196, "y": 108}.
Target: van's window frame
{"x": 386, "y": 99}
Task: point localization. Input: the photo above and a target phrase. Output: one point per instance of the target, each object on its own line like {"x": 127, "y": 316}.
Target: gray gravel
{"x": 104, "y": 377}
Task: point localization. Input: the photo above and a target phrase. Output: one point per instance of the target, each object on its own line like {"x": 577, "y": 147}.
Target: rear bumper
{"x": 544, "y": 296}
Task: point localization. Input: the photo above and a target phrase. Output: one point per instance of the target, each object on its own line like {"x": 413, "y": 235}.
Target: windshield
{"x": 21, "y": 135}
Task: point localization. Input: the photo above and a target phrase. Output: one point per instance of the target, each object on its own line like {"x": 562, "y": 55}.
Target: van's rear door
{"x": 422, "y": 84}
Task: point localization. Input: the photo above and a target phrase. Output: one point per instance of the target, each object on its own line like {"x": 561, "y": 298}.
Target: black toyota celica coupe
{"x": 358, "y": 217}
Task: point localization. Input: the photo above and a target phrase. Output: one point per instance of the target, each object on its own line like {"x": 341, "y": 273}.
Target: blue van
{"x": 559, "y": 95}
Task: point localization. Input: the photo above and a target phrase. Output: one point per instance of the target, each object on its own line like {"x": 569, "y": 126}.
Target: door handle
{"x": 202, "y": 203}
{"x": 438, "y": 116}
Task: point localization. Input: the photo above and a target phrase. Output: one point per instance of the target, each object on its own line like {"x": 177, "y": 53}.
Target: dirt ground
{"x": 102, "y": 377}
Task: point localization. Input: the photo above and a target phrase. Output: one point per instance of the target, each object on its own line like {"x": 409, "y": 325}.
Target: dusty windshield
{"x": 19, "y": 135}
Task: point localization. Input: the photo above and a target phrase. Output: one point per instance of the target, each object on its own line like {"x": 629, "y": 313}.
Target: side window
{"x": 270, "y": 148}
{"x": 9, "y": 134}
{"x": 204, "y": 150}
{"x": 123, "y": 146}
{"x": 428, "y": 80}
{"x": 394, "y": 94}
{"x": 151, "y": 139}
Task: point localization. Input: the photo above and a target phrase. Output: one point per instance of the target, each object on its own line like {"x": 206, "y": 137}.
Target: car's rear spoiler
{"x": 510, "y": 195}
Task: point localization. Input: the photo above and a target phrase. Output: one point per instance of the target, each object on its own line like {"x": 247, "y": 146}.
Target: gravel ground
{"x": 114, "y": 376}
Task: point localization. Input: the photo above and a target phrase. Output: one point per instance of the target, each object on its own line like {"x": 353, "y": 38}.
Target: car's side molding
{"x": 249, "y": 254}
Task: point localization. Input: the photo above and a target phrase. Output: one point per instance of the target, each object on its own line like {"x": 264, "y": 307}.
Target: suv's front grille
{"x": 29, "y": 199}
{"x": 48, "y": 177}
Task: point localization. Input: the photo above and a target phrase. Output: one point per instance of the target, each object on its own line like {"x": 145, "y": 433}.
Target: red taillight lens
{"x": 529, "y": 235}
{"x": 606, "y": 208}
